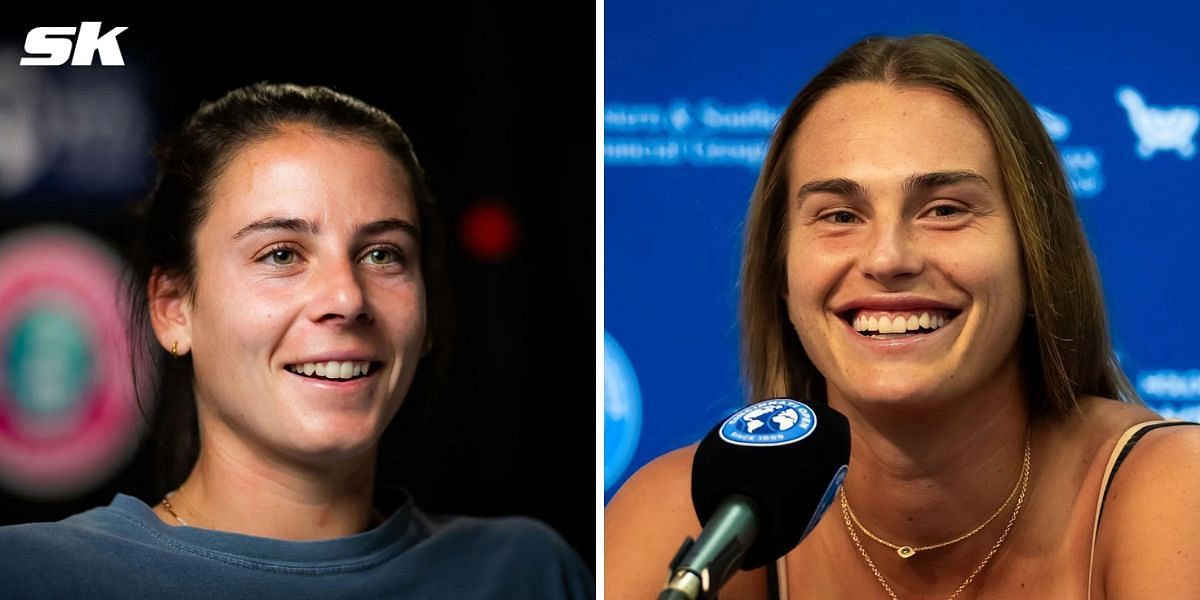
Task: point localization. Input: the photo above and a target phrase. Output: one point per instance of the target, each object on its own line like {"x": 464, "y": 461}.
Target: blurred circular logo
{"x": 622, "y": 411}
{"x": 67, "y": 415}
{"x": 773, "y": 422}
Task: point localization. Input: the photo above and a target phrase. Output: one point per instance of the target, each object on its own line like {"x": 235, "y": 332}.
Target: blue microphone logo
{"x": 773, "y": 422}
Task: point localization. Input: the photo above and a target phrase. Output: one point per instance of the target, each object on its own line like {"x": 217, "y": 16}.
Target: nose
{"x": 338, "y": 295}
{"x": 893, "y": 255}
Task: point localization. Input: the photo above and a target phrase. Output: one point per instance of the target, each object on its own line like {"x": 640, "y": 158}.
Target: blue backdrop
{"x": 691, "y": 96}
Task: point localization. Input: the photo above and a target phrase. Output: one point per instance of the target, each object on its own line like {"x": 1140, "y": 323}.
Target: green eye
{"x": 384, "y": 256}
{"x": 283, "y": 257}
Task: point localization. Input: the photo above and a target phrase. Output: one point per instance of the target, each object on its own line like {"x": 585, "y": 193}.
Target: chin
{"x": 330, "y": 454}
{"x": 334, "y": 442}
{"x": 900, "y": 394}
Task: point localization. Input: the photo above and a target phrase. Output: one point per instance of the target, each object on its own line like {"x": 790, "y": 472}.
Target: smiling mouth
{"x": 886, "y": 325}
{"x": 334, "y": 370}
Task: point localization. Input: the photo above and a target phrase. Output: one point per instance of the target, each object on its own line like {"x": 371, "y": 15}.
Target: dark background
{"x": 499, "y": 104}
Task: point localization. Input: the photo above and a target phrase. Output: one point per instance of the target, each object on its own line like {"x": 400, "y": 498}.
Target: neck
{"x": 242, "y": 489}
{"x": 922, "y": 477}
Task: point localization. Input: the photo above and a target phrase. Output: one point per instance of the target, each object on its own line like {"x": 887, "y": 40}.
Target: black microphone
{"x": 760, "y": 482}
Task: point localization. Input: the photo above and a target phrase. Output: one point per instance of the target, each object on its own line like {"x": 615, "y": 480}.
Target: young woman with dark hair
{"x": 289, "y": 269}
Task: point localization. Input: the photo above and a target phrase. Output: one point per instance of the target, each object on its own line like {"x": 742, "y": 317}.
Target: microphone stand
{"x": 700, "y": 568}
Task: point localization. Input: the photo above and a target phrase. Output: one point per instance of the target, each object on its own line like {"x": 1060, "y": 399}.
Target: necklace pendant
{"x": 905, "y": 551}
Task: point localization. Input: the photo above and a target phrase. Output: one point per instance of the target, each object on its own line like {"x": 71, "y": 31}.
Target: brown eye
{"x": 945, "y": 210}
{"x": 841, "y": 217}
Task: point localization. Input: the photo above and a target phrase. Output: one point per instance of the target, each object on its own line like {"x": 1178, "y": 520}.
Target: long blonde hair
{"x": 1065, "y": 346}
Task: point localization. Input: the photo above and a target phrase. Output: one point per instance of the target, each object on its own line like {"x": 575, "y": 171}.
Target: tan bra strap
{"x": 782, "y": 578}
{"x": 1112, "y": 462}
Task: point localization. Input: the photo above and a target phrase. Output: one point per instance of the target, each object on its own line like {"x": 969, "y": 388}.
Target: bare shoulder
{"x": 1149, "y": 539}
{"x": 1086, "y": 434}
{"x": 645, "y": 523}
{"x": 1095, "y": 426}
{"x": 1109, "y": 417}
{"x": 664, "y": 484}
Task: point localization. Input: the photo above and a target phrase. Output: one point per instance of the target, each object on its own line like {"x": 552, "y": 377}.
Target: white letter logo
{"x": 55, "y": 45}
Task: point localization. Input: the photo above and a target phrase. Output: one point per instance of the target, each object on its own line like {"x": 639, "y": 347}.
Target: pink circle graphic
{"x": 68, "y": 417}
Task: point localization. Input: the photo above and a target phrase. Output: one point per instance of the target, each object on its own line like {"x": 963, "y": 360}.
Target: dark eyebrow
{"x": 378, "y": 227}
{"x": 840, "y": 186}
{"x": 917, "y": 182}
{"x": 309, "y": 227}
{"x": 923, "y": 182}
{"x": 275, "y": 223}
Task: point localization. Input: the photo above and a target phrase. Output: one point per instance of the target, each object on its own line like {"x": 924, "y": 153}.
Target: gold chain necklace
{"x": 166, "y": 502}
{"x": 377, "y": 518}
{"x": 1022, "y": 482}
{"x": 910, "y": 551}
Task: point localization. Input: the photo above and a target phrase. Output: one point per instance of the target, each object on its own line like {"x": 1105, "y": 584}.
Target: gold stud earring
{"x": 175, "y": 348}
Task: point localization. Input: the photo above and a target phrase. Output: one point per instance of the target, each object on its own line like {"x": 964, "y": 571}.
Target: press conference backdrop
{"x": 500, "y": 142}
{"x": 692, "y": 94}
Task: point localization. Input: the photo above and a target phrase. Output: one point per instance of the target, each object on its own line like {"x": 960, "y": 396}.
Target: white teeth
{"x": 333, "y": 369}
{"x": 898, "y": 323}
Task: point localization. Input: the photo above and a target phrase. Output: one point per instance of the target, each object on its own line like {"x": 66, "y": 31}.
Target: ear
{"x": 427, "y": 345}
{"x": 170, "y": 311}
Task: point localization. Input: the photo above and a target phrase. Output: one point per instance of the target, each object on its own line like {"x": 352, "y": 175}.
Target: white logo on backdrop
{"x": 1056, "y": 125}
{"x": 703, "y": 133}
{"x": 1160, "y": 128}
{"x": 1171, "y": 393}
{"x": 1082, "y": 163}
{"x": 79, "y": 132}
{"x": 1169, "y": 385}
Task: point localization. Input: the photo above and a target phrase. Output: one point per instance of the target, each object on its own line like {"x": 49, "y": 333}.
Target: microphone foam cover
{"x": 781, "y": 453}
